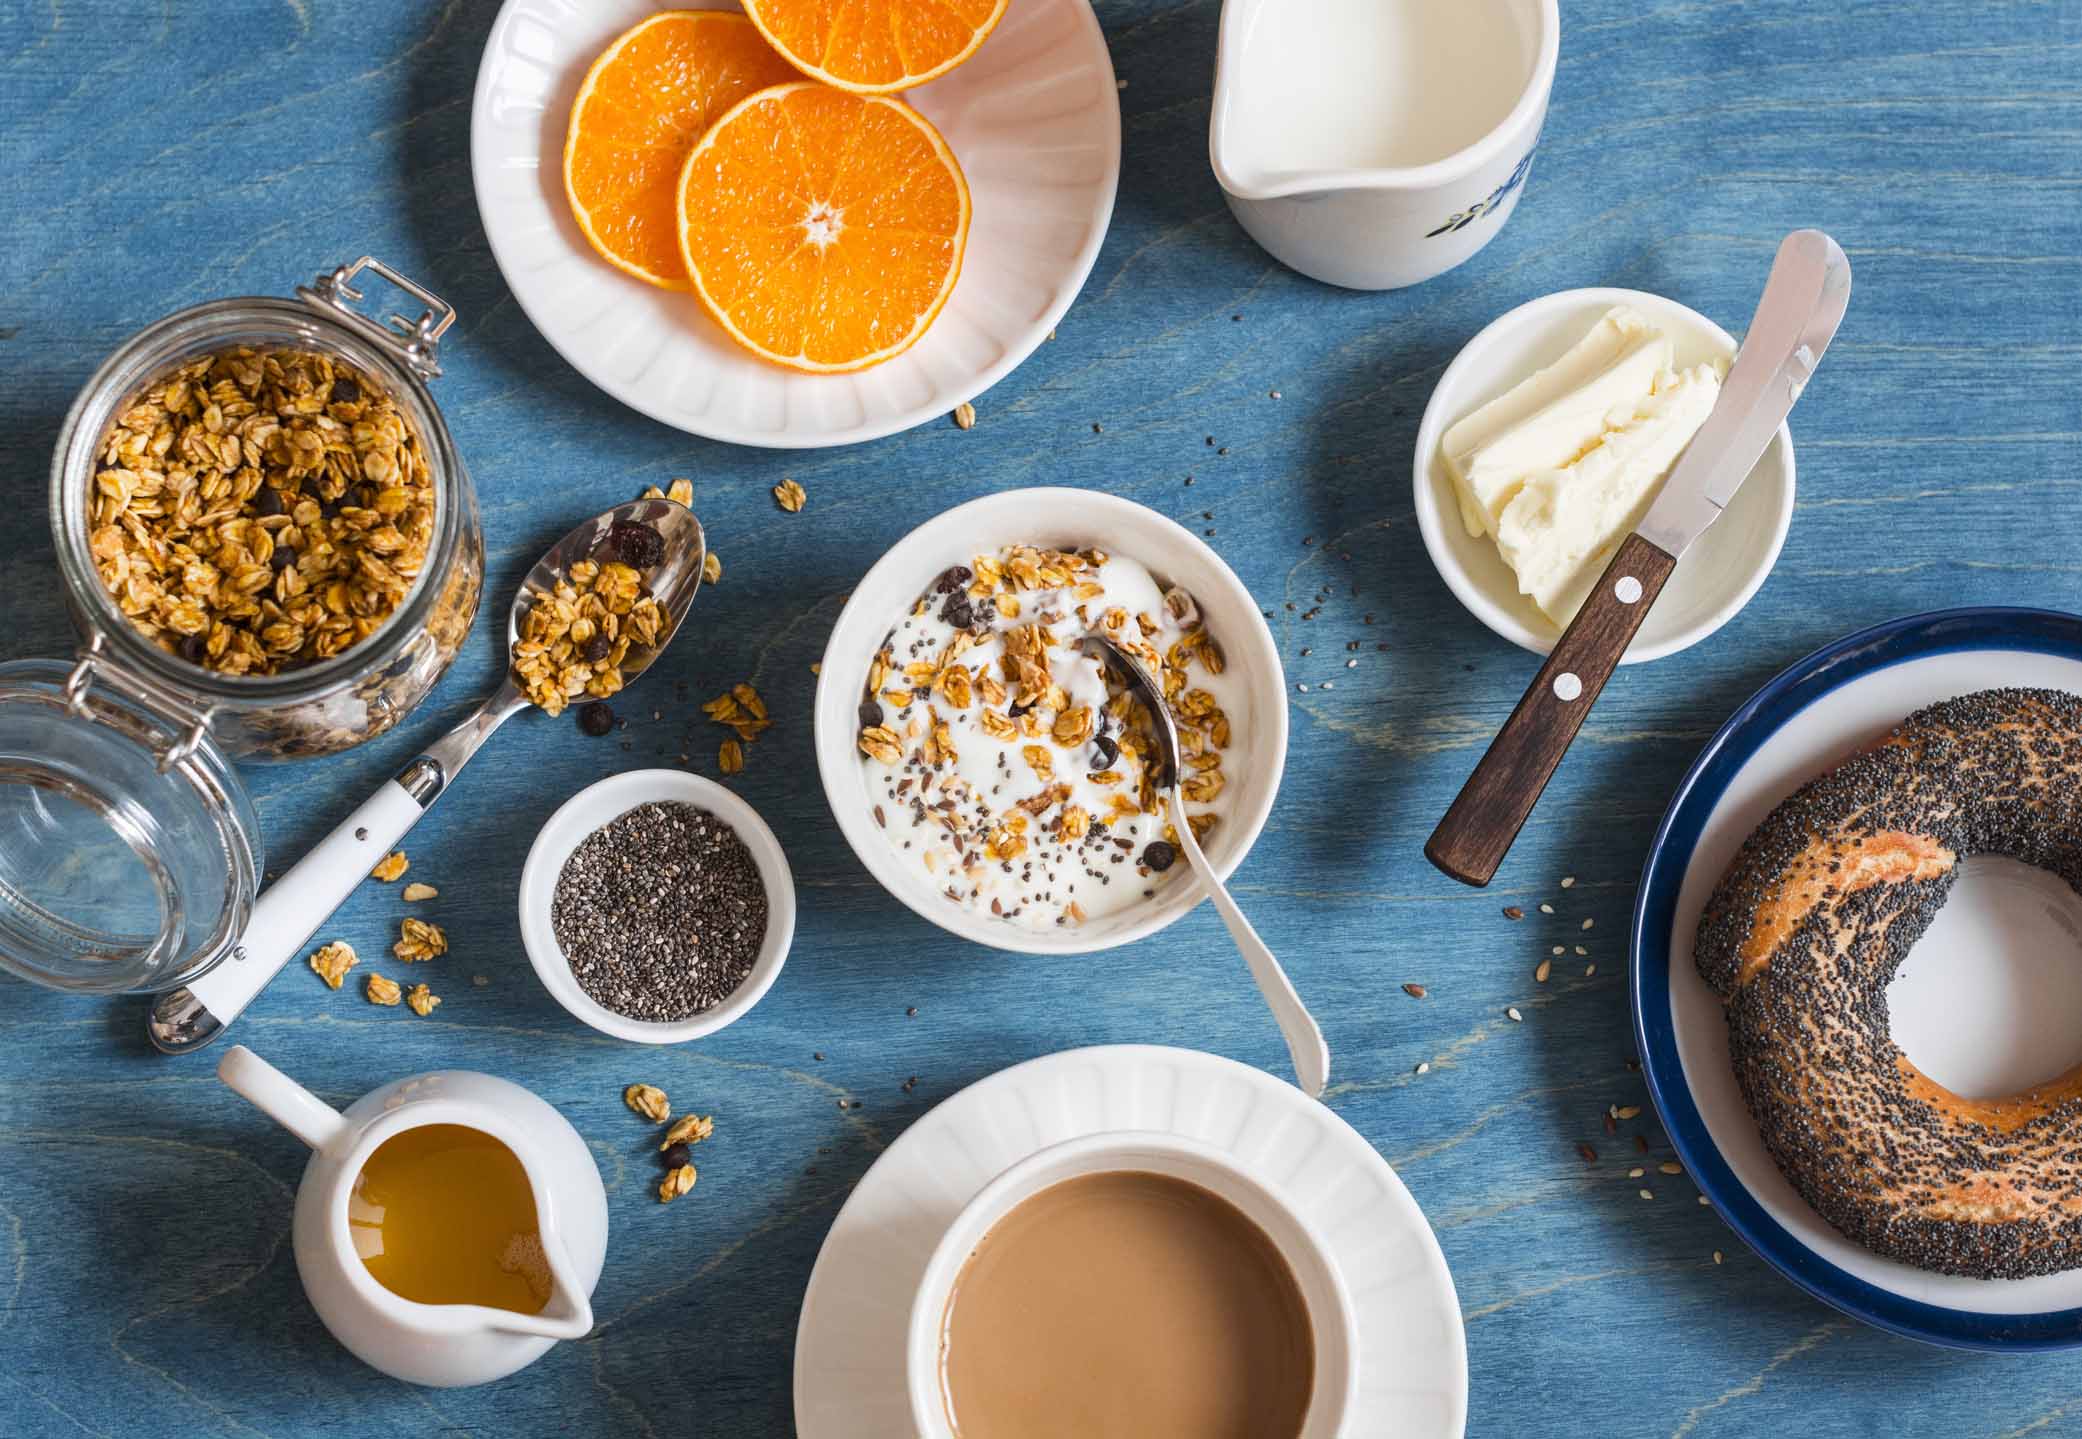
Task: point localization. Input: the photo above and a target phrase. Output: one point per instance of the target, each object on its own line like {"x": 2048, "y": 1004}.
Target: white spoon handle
{"x": 1305, "y": 1044}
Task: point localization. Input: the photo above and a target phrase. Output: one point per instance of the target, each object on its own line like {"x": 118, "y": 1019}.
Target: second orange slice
{"x": 824, "y": 230}
{"x": 647, "y": 99}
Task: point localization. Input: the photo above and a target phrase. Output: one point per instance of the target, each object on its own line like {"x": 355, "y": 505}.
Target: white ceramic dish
{"x": 1034, "y": 119}
{"x": 1424, "y": 79}
{"x": 1713, "y": 581}
{"x": 596, "y": 805}
{"x": 1071, "y": 519}
{"x": 1410, "y": 1351}
{"x": 1293, "y": 1235}
{"x": 1989, "y": 1001}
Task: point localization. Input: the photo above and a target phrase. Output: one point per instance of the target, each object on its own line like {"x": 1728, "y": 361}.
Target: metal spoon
{"x": 1305, "y": 1044}
{"x": 289, "y": 911}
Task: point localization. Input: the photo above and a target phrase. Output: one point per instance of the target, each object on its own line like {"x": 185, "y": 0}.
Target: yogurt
{"x": 1005, "y": 765}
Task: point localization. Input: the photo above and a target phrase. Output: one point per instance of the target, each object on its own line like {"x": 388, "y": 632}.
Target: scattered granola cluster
{"x": 744, "y": 711}
{"x": 673, "y": 1149}
{"x": 1020, "y": 773}
{"x": 576, "y": 637}
{"x": 259, "y": 510}
{"x": 418, "y": 939}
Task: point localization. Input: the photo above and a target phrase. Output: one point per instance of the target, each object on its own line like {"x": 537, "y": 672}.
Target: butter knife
{"x": 1803, "y": 303}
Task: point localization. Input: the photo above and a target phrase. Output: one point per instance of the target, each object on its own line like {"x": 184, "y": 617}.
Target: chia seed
{"x": 660, "y": 912}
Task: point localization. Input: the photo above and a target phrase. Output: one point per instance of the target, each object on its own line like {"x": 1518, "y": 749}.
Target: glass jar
{"x": 129, "y": 850}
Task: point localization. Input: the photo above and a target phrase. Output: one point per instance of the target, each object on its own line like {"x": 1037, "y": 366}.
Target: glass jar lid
{"x": 130, "y": 853}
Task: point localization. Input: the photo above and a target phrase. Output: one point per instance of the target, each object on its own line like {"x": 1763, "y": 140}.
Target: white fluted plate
{"x": 849, "y": 1346}
{"x": 1033, "y": 117}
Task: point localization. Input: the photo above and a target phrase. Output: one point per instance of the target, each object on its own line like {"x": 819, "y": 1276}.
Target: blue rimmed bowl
{"x": 1806, "y": 720}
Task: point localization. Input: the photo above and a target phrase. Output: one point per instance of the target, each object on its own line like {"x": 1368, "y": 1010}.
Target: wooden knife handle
{"x": 1473, "y": 838}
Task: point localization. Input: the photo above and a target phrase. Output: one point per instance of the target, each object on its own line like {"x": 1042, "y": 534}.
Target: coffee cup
{"x": 1295, "y": 1247}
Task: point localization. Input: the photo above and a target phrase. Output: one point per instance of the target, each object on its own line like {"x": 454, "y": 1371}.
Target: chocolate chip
{"x": 193, "y": 647}
{"x": 674, "y": 1155}
{"x": 635, "y": 544}
{"x": 1159, "y": 856}
{"x": 595, "y": 719}
{"x": 870, "y": 714}
{"x": 955, "y": 577}
{"x": 958, "y": 612}
{"x": 345, "y": 392}
{"x": 268, "y": 500}
{"x": 596, "y": 648}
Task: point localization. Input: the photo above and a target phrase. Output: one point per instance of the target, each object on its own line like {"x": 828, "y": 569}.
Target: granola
{"x": 416, "y": 892}
{"x": 649, "y": 1101}
{"x": 382, "y": 990}
{"x": 419, "y": 939}
{"x": 1018, "y": 772}
{"x": 390, "y": 866}
{"x": 332, "y": 961}
{"x": 577, "y": 636}
{"x": 676, "y": 1182}
{"x": 421, "y": 1000}
{"x": 743, "y": 711}
{"x": 258, "y": 510}
{"x": 790, "y": 496}
{"x": 688, "y": 1129}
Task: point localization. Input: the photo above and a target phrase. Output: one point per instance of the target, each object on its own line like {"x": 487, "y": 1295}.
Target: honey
{"x": 444, "y": 1214}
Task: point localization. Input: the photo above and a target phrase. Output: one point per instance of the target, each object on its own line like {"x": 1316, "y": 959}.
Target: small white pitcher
{"x": 437, "y": 1344}
{"x": 1305, "y": 107}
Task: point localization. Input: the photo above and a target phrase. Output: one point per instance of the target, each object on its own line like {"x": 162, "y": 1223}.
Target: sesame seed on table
{"x": 146, "y": 1284}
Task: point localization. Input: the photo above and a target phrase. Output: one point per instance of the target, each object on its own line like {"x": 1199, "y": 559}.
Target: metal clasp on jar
{"x": 157, "y": 700}
{"x": 414, "y": 340}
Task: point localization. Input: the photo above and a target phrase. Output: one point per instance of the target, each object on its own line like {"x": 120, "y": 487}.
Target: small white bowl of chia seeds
{"x": 656, "y": 906}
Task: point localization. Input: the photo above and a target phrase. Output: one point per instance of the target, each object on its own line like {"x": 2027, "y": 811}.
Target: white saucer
{"x": 849, "y": 1346}
{"x": 1034, "y": 119}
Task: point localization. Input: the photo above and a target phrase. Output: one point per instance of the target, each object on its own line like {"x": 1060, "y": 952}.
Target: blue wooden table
{"x": 155, "y": 156}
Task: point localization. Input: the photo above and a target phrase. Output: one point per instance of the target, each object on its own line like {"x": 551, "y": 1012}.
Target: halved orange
{"x": 875, "y": 47}
{"x": 644, "y": 103}
{"x": 823, "y": 230}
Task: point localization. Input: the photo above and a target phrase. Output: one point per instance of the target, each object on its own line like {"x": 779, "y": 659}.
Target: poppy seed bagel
{"x": 1804, "y": 932}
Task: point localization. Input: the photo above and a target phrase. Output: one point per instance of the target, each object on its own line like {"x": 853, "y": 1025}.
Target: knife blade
{"x": 1802, "y": 305}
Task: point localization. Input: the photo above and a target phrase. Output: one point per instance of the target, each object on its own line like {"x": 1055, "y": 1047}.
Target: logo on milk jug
{"x": 1480, "y": 208}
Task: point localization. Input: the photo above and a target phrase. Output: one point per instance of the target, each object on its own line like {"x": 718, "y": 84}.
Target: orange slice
{"x": 644, "y": 103}
{"x": 823, "y": 230}
{"x": 875, "y": 47}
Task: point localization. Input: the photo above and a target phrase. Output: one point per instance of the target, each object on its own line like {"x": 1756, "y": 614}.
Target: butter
{"x": 1549, "y": 419}
{"x": 1561, "y": 527}
{"x": 1565, "y": 464}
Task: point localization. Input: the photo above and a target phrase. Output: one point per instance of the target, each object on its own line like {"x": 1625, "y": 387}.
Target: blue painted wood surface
{"x": 156, "y": 156}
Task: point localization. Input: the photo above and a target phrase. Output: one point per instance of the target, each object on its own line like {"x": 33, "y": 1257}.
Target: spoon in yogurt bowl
{"x": 1305, "y": 1046}
{"x": 658, "y": 538}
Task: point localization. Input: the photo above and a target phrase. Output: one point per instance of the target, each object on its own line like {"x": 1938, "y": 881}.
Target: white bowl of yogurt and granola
{"x": 986, "y": 767}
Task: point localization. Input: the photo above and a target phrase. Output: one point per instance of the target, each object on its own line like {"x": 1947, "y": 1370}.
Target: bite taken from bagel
{"x": 1804, "y": 932}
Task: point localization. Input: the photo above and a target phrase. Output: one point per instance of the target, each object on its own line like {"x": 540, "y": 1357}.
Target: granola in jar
{"x": 257, "y": 510}
{"x": 1009, "y": 767}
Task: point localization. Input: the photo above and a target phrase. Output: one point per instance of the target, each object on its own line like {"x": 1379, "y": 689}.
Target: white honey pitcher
{"x": 435, "y": 1344}
{"x": 1376, "y": 143}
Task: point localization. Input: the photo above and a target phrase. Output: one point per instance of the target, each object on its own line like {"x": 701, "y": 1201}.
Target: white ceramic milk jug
{"x": 439, "y": 1344}
{"x": 1377, "y": 143}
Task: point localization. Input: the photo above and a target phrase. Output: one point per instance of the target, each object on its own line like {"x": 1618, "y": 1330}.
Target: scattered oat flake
{"x": 415, "y": 891}
{"x": 390, "y": 866}
{"x": 965, "y": 416}
{"x": 1636, "y": 1172}
{"x": 1589, "y": 970}
{"x": 1588, "y": 923}
{"x": 422, "y": 1000}
{"x": 1716, "y": 1256}
{"x": 1670, "y": 1166}
{"x": 816, "y": 667}
{"x": 680, "y": 492}
{"x": 649, "y": 1101}
{"x": 1415, "y": 991}
{"x": 419, "y": 939}
{"x": 1647, "y": 1194}
{"x": 1626, "y": 1111}
{"x": 380, "y": 990}
{"x": 688, "y": 1129}
{"x": 730, "y": 757}
{"x": 1546, "y": 968}
{"x": 790, "y": 496}
{"x": 1512, "y": 911}
{"x": 711, "y": 568}
{"x": 1582, "y": 953}
{"x": 678, "y": 1182}
{"x": 331, "y": 962}
{"x": 1557, "y": 949}
{"x": 1703, "y": 1200}
{"x": 1546, "y": 908}
{"x": 1568, "y": 881}
{"x": 1513, "y": 1015}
